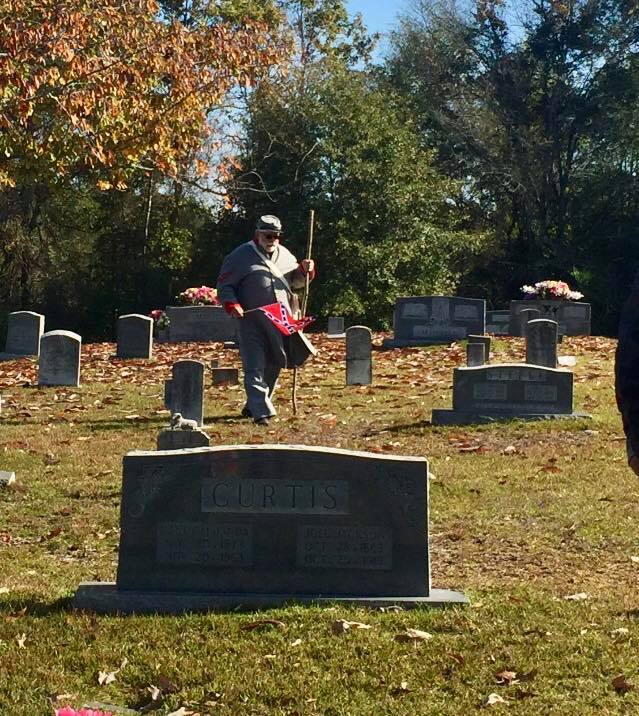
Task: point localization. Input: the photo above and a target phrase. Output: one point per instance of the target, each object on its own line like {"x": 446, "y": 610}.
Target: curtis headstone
{"x": 359, "y": 362}
{"x": 251, "y": 526}
{"x": 59, "y": 358}
{"x": 134, "y": 336}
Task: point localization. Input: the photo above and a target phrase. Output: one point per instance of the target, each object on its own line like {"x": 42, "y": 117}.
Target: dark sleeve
{"x": 627, "y": 369}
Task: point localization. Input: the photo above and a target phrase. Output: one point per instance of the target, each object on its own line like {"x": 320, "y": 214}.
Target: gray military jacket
{"x": 247, "y": 279}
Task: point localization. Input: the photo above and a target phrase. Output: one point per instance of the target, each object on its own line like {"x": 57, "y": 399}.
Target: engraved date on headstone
{"x": 214, "y": 546}
{"x": 345, "y": 547}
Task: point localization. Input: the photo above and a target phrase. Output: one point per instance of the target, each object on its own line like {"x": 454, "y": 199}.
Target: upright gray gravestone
{"x": 200, "y": 323}
{"x": 541, "y": 343}
{"x": 359, "y": 356}
{"x": 184, "y": 393}
{"x": 255, "y": 526}
{"x": 134, "y": 336}
{"x": 573, "y": 317}
{"x": 485, "y": 340}
{"x": 225, "y": 376}
{"x": 59, "y": 358}
{"x": 427, "y": 320}
{"x": 508, "y": 391}
{"x": 498, "y": 322}
{"x": 523, "y": 318}
{"x": 24, "y": 331}
{"x": 335, "y": 327}
{"x": 475, "y": 354}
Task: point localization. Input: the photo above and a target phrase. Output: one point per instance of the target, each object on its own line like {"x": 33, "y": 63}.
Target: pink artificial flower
{"x": 68, "y": 711}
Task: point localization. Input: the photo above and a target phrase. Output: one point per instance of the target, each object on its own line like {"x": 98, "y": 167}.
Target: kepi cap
{"x": 268, "y": 222}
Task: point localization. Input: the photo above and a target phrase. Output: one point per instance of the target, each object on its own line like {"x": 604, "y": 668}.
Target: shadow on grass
{"x": 34, "y": 607}
{"x": 398, "y": 428}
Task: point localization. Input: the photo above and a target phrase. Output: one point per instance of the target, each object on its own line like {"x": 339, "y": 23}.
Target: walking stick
{"x": 309, "y": 249}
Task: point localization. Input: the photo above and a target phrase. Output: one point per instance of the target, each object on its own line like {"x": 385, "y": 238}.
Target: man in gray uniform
{"x": 258, "y": 273}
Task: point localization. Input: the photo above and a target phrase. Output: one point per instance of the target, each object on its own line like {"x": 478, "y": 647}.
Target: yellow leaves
{"x": 104, "y": 185}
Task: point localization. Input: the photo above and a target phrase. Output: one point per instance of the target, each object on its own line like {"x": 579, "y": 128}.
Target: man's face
{"x": 268, "y": 240}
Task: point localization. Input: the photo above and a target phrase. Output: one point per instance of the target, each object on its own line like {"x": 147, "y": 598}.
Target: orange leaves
{"x": 107, "y": 84}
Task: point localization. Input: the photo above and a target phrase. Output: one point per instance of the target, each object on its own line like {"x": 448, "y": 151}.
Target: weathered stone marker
{"x": 250, "y": 526}
{"x": 485, "y": 340}
{"x": 182, "y": 439}
{"x": 225, "y": 376}
{"x": 184, "y": 393}
{"x": 359, "y": 352}
{"x": 475, "y": 354}
{"x": 541, "y": 342}
{"x": 59, "y": 358}
{"x": 134, "y": 336}
{"x": 523, "y": 318}
{"x": 24, "y": 331}
{"x": 426, "y": 320}
{"x": 335, "y": 327}
{"x": 503, "y": 392}
{"x": 200, "y": 323}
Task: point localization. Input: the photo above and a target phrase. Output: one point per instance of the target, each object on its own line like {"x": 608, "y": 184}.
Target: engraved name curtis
{"x": 276, "y": 496}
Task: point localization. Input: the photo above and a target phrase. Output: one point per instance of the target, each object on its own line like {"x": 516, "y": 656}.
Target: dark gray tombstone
{"x": 184, "y": 393}
{"x": 359, "y": 356}
{"x": 24, "y": 331}
{"x": 523, "y": 318}
{"x": 182, "y": 439}
{"x": 498, "y": 322}
{"x": 59, "y": 358}
{"x": 502, "y": 392}
{"x": 200, "y": 323}
{"x": 541, "y": 343}
{"x": 485, "y": 340}
{"x": 134, "y": 336}
{"x": 335, "y": 327}
{"x": 427, "y": 320}
{"x": 572, "y": 317}
{"x": 251, "y": 526}
{"x": 225, "y": 376}
{"x": 475, "y": 354}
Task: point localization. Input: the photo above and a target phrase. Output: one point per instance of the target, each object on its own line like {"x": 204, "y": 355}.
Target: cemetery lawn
{"x": 537, "y": 523}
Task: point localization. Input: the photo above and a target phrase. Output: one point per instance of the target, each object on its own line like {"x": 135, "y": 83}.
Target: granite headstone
{"x": 335, "y": 327}
{"x": 200, "y": 323}
{"x": 225, "y": 376}
{"x": 134, "y": 336}
{"x": 426, "y": 320}
{"x": 498, "y": 322}
{"x": 182, "y": 439}
{"x": 475, "y": 354}
{"x": 359, "y": 361}
{"x": 541, "y": 342}
{"x": 184, "y": 392}
{"x": 24, "y": 331}
{"x": 572, "y": 317}
{"x": 59, "y": 358}
{"x": 249, "y": 526}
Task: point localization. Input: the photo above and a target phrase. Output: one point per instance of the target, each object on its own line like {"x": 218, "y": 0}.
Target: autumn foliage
{"x": 101, "y": 87}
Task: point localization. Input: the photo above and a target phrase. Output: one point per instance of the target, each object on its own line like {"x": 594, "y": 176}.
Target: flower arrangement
{"x": 551, "y": 290}
{"x": 68, "y": 711}
{"x": 202, "y": 296}
{"x": 160, "y": 319}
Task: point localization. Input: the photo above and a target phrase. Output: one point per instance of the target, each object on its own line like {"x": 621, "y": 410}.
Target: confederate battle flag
{"x": 278, "y": 315}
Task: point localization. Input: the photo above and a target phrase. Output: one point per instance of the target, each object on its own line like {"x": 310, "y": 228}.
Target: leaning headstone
{"x": 200, "y": 323}
{"x": 508, "y": 391}
{"x": 24, "y": 332}
{"x": 258, "y": 526}
{"x": 59, "y": 358}
{"x": 498, "y": 322}
{"x": 182, "y": 439}
{"x": 225, "y": 376}
{"x": 475, "y": 354}
{"x": 572, "y": 317}
{"x": 541, "y": 343}
{"x": 7, "y": 478}
{"x": 335, "y": 327}
{"x": 359, "y": 361}
{"x": 134, "y": 336}
{"x": 184, "y": 393}
{"x": 427, "y": 320}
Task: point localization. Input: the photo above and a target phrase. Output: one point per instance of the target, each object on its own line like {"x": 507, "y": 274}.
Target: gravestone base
{"x": 13, "y": 356}
{"x": 106, "y": 598}
{"x": 182, "y": 439}
{"x": 331, "y": 336}
{"x": 442, "y": 416}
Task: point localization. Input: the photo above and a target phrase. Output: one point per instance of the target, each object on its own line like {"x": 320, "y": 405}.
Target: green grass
{"x": 521, "y": 516}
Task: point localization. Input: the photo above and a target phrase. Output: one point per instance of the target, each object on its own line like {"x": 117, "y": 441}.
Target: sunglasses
{"x": 271, "y": 236}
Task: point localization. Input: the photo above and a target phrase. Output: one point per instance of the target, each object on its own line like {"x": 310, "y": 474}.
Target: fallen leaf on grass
{"x": 263, "y": 623}
{"x": 4, "y": 590}
{"x": 341, "y": 626}
{"x": 297, "y": 642}
{"x": 621, "y": 685}
{"x": 403, "y": 688}
{"x": 494, "y": 699}
{"x": 505, "y": 678}
{"x": 108, "y": 677}
{"x": 634, "y": 559}
{"x": 414, "y": 635}
{"x": 21, "y": 639}
{"x": 509, "y": 450}
{"x": 621, "y": 631}
{"x": 579, "y": 597}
